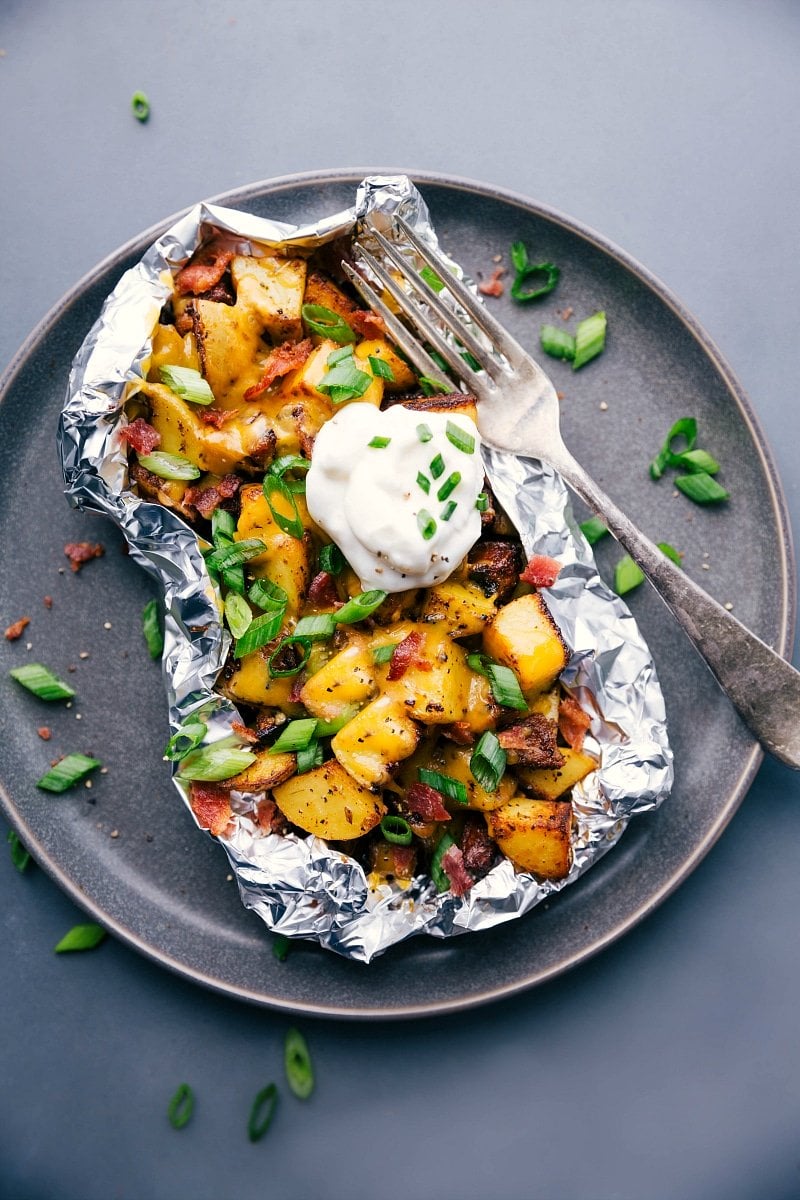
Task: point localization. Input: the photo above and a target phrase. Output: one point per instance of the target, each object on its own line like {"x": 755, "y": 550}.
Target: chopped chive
{"x": 424, "y": 482}
{"x": 450, "y": 484}
{"x": 264, "y": 1106}
{"x": 671, "y": 553}
{"x": 488, "y": 762}
{"x": 482, "y": 502}
{"x": 317, "y": 628}
{"x": 454, "y": 789}
{"x": 281, "y": 947}
{"x": 460, "y": 438}
{"x": 424, "y": 433}
{"x": 695, "y": 461}
{"x": 233, "y": 554}
{"x": 339, "y": 355}
{"x": 590, "y": 339}
{"x": 169, "y": 466}
{"x": 380, "y": 443}
{"x": 382, "y": 654}
{"x": 20, "y": 857}
{"x": 503, "y": 681}
{"x": 396, "y": 830}
{"x": 557, "y": 342}
{"x": 68, "y": 771}
{"x": 294, "y": 736}
{"x": 223, "y": 525}
{"x": 448, "y": 510}
{"x": 238, "y": 614}
{"x": 187, "y": 383}
{"x": 259, "y": 632}
{"x": 151, "y": 629}
{"x": 279, "y": 655}
{"x": 81, "y": 937}
{"x": 594, "y": 529}
{"x": 551, "y": 275}
{"x": 669, "y": 455}
{"x": 344, "y": 381}
{"x": 42, "y": 682}
{"x": 430, "y": 385}
{"x": 519, "y": 256}
{"x": 436, "y": 466}
{"x": 309, "y": 756}
{"x": 426, "y": 523}
{"x": 326, "y": 323}
{"x": 140, "y": 107}
{"x": 297, "y": 1064}
{"x": 438, "y": 359}
{"x": 701, "y": 488}
{"x": 440, "y": 879}
{"x": 331, "y": 559}
{"x": 187, "y": 738}
{"x": 381, "y": 369}
{"x": 359, "y": 607}
{"x": 181, "y": 1107}
{"x": 274, "y": 485}
{"x": 212, "y": 763}
{"x": 288, "y": 463}
{"x": 266, "y": 594}
{"x": 432, "y": 279}
{"x": 627, "y": 576}
{"x": 233, "y": 578}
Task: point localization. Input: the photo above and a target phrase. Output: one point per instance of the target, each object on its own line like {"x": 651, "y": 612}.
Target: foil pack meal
{"x": 400, "y": 696}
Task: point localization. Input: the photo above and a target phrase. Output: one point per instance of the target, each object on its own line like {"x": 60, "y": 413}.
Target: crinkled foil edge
{"x": 300, "y": 886}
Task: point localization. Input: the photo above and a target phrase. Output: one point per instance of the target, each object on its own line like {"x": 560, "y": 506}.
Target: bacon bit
{"x": 476, "y": 846}
{"x": 453, "y": 866}
{"x": 573, "y": 722}
{"x": 322, "y": 591}
{"x": 220, "y": 293}
{"x": 459, "y": 732}
{"x": 269, "y": 816}
{"x": 424, "y": 801}
{"x": 298, "y": 683}
{"x": 244, "y": 733}
{"x": 367, "y": 323}
{"x": 211, "y": 806}
{"x": 205, "y": 268}
{"x": 280, "y": 362}
{"x": 541, "y": 571}
{"x": 493, "y": 286}
{"x": 207, "y": 499}
{"x": 141, "y": 436}
{"x": 79, "y": 553}
{"x": 228, "y": 486}
{"x": 17, "y": 629}
{"x": 388, "y": 859}
{"x": 404, "y": 654}
{"x": 213, "y": 416}
{"x": 532, "y": 742}
{"x": 44, "y": 733}
{"x": 48, "y": 601}
{"x": 567, "y": 313}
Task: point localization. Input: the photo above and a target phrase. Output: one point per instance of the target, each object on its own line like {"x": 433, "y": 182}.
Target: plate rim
{"x": 778, "y": 504}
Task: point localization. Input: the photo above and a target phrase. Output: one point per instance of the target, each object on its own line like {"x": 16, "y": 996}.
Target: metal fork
{"x": 518, "y": 412}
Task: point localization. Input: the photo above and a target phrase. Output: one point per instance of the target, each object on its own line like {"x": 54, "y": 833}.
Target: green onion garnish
{"x": 436, "y": 466}
{"x": 441, "y": 882}
{"x": 701, "y": 488}
{"x": 220, "y": 761}
{"x": 424, "y": 482}
{"x": 381, "y": 369}
{"x": 594, "y": 529}
{"x": 339, "y": 355}
{"x": 482, "y": 502}
{"x": 327, "y": 323}
{"x": 671, "y": 553}
{"x": 233, "y": 554}
{"x": 181, "y": 1107}
{"x": 668, "y": 455}
{"x": 448, "y": 510}
{"x": 695, "y": 461}
{"x": 233, "y": 578}
{"x": 81, "y": 937}
{"x": 331, "y": 559}
{"x": 288, "y": 643}
{"x": 223, "y": 525}
{"x": 317, "y": 628}
{"x": 309, "y": 756}
{"x": 382, "y": 654}
{"x": 20, "y": 857}
{"x": 71, "y": 769}
{"x": 188, "y": 738}
{"x": 285, "y": 465}
{"x": 259, "y": 632}
{"x": 424, "y": 433}
{"x": 295, "y": 736}
{"x": 396, "y": 830}
{"x": 627, "y": 576}
{"x": 344, "y": 381}
{"x": 590, "y": 339}
{"x": 488, "y": 762}
{"x": 280, "y": 947}
{"x": 426, "y": 523}
{"x": 450, "y": 484}
{"x": 187, "y": 383}
{"x": 238, "y": 614}
{"x": 329, "y": 728}
{"x": 379, "y": 443}
{"x": 503, "y": 681}
{"x": 359, "y": 607}
{"x": 169, "y": 466}
{"x": 264, "y": 1105}
{"x": 526, "y": 270}
{"x": 41, "y": 681}
{"x": 557, "y": 342}
{"x": 140, "y": 106}
{"x": 431, "y": 278}
{"x": 460, "y": 438}
{"x": 266, "y": 594}
{"x": 297, "y": 1063}
{"x": 454, "y": 789}
{"x": 274, "y": 485}
{"x": 151, "y": 628}
{"x": 430, "y": 385}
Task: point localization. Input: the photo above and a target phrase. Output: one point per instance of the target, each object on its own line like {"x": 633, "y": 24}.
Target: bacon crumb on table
{"x": 48, "y": 601}
{"x": 16, "y": 630}
{"x": 79, "y": 553}
{"x": 492, "y": 286}
{"x": 44, "y": 733}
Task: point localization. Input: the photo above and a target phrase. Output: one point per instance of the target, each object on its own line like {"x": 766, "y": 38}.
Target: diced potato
{"x": 272, "y": 288}
{"x": 302, "y": 381}
{"x": 454, "y": 760}
{"x": 346, "y": 680}
{"x": 321, "y": 290}
{"x": 547, "y": 704}
{"x": 461, "y": 608}
{"x": 550, "y": 783}
{"x": 328, "y": 802}
{"x": 444, "y": 404}
{"x": 286, "y": 560}
{"x": 231, "y": 347}
{"x": 404, "y": 377}
{"x": 251, "y": 683}
{"x": 534, "y": 834}
{"x": 170, "y": 349}
{"x": 378, "y": 737}
{"x": 374, "y": 393}
{"x": 239, "y": 443}
{"x": 267, "y": 771}
{"x": 483, "y": 708}
{"x": 435, "y": 689}
{"x": 525, "y": 637}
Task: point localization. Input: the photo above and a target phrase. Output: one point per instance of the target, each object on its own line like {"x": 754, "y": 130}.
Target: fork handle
{"x": 764, "y": 687}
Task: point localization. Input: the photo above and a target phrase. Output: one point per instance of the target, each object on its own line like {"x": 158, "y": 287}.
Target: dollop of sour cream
{"x": 397, "y": 491}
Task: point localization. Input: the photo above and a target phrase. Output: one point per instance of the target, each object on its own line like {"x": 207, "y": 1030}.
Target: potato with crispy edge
{"x": 328, "y": 802}
{"x": 524, "y": 637}
{"x": 550, "y": 783}
{"x": 378, "y": 737}
{"x": 268, "y": 770}
{"x": 272, "y": 288}
{"x": 534, "y": 835}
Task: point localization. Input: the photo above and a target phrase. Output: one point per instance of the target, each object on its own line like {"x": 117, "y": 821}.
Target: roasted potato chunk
{"x": 328, "y": 802}
{"x": 346, "y": 681}
{"x": 524, "y": 637}
{"x": 381, "y": 735}
{"x": 534, "y": 834}
{"x": 463, "y": 609}
{"x": 268, "y": 770}
{"x": 550, "y": 783}
{"x": 272, "y": 289}
{"x": 287, "y": 559}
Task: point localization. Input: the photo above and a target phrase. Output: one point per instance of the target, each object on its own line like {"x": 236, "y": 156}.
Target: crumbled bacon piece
{"x": 404, "y": 654}
{"x": 541, "y": 571}
{"x": 220, "y": 293}
{"x": 228, "y": 486}
{"x": 532, "y": 742}
{"x": 424, "y": 801}
{"x": 205, "y": 268}
{"x": 573, "y": 722}
{"x": 270, "y": 817}
{"x": 17, "y": 629}
{"x": 476, "y": 846}
{"x": 44, "y": 733}
{"x": 453, "y": 866}
{"x": 367, "y": 323}
{"x": 493, "y": 286}
{"x": 459, "y": 732}
{"x": 389, "y": 859}
{"x": 207, "y": 499}
{"x": 211, "y": 806}
{"x": 280, "y": 362}
{"x": 322, "y": 590}
{"x": 141, "y": 436}
{"x": 298, "y": 682}
{"x": 247, "y": 735}
{"x": 79, "y": 553}
{"x": 213, "y": 416}
{"x": 47, "y": 601}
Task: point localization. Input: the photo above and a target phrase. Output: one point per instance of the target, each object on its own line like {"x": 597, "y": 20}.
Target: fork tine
{"x": 399, "y": 334}
{"x": 501, "y": 338}
{"x": 422, "y": 323}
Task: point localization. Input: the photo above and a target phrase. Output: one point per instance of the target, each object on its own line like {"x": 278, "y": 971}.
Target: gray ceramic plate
{"x": 127, "y": 850}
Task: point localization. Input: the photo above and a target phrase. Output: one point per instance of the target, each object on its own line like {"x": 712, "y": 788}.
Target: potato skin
{"x": 328, "y": 802}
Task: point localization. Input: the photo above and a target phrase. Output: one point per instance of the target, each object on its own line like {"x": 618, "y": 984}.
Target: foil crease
{"x": 300, "y": 886}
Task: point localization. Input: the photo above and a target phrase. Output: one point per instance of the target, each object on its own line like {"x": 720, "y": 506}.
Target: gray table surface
{"x": 669, "y": 1065}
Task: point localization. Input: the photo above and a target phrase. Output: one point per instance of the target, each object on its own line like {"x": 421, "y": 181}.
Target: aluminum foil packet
{"x": 299, "y": 885}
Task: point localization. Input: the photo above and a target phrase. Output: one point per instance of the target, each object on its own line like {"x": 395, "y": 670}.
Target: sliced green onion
{"x": 278, "y": 672}
{"x": 441, "y": 882}
{"x": 424, "y": 482}
{"x": 471, "y": 360}
{"x": 281, "y": 947}
{"x": 309, "y": 756}
{"x": 223, "y": 525}
{"x": 430, "y": 385}
{"x": 181, "y": 1107}
{"x": 274, "y": 485}
{"x": 233, "y": 554}
{"x": 266, "y": 594}
{"x": 263, "y": 1109}
{"x": 82, "y": 937}
{"x": 187, "y": 383}
{"x": 551, "y": 275}
{"x": 627, "y": 576}
{"x": 519, "y": 256}
{"x": 454, "y": 789}
{"x": 71, "y": 769}
{"x": 187, "y": 738}
{"x": 431, "y": 278}
{"x": 140, "y": 106}
{"x": 41, "y": 681}
{"x": 438, "y": 359}
{"x": 317, "y": 628}
{"x": 695, "y": 461}
{"x": 668, "y": 455}
{"x": 233, "y": 578}
{"x": 381, "y": 369}
{"x": 379, "y": 443}
{"x": 424, "y": 433}
{"x": 169, "y": 466}
{"x": 295, "y": 736}
{"x": 20, "y": 857}
{"x": 359, "y": 607}
{"x": 151, "y": 628}
{"x": 344, "y": 381}
{"x": 503, "y": 681}
{"x": 331, "y": 559}
{"x": 448, "y": 510}
{"x": 459, "y": 437}
{"x": 482, "y": 502}
{"x": 701, "y": 488}
{"x": 450, "y": 484}
{"x": 426, "y": 523}
{"x": 488, "y": 762}
{"x": 297, "y": 1064}
{"x": 382, "y": 654}
{"x": 436, "y": 466}
{"x": 590, "y": 339}
{"x": 396, "y": 830}
{"x": 238, "y": 614}
{"x": 340, "y": 355}
{"x": 223, "y": 760}
{"x": 329, "y": 728}
{"x": 556, "y": 342}
{"x": 327, "y": 323}
{"x": 259, "y": 632}
{"x": 288, "y": 463}
{"x": 671, "y": 553}
{"x": 594, "y": 529}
